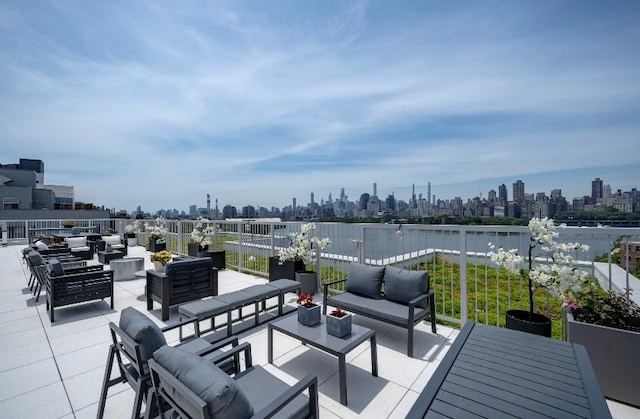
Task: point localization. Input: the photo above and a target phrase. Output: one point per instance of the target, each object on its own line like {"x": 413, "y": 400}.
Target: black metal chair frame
{"x": 132, "y": 369}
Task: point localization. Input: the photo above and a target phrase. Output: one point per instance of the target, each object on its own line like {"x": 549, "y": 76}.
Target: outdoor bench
{"x": 183, "y": 280}
{"x": 226, "y": 303}
{"x": 404, "y": 301}
{"x": 77, "y": 287}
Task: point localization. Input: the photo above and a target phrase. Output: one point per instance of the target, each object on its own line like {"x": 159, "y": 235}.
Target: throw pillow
{"x": 402, "y": 285}
{"x": 221, "y": 393}
{"x": 55, "y": 267}
{"x": 143, "y": 331}
{"x": 365, "y": 280}
{"x": 41, "y": 245}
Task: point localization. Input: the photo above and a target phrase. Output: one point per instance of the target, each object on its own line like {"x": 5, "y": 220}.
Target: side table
{"x": 105, "y": 257}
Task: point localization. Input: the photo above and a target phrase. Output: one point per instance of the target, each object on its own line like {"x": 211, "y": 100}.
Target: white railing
{"x": 454, "y": 255}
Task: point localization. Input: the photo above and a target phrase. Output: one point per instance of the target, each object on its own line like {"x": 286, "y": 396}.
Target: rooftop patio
{"x": 56, "y": 370}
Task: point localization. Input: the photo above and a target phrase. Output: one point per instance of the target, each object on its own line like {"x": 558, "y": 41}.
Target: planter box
{"x": 339, "y": 326}
{"x": 195, "y": 249}
{"x": 284, "y": 270}
{"x": 309, "y": 316}
{"x": 308, "y": 280}
{"x": 156, "y": 246}
{"x": 218, "y": 258}
{"x": 614, "y": 356}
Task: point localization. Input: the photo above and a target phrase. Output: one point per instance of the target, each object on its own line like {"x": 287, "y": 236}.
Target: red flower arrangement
{"x": 338, "y": 312}
{"x": 306, "y": 300}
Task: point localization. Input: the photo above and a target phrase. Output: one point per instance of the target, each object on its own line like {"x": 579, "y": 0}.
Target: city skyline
{"x": 419, "y": 195}
{"x": 166, "y": 103}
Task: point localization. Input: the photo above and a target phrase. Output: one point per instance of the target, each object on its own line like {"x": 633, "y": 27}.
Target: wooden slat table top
{"x": 494, "y": 372}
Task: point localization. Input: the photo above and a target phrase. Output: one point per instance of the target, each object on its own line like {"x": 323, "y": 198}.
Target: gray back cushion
{"x": 365, "y": 280}
{"x": 221, "y": 393}
{"x": 402, "y": 285}
{"x": 143, "y": 331}
{"x": 55, "y": 267}
{"x": 35, "y": 258}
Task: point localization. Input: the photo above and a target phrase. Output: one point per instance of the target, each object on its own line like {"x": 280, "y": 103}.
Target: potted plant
{"x": 302, "y": 252}
{"x": 160, "y": 260}
{"x": 130, "y": 231}
{"x": 308, "y": 311}
{"x": 608, "y": 325}
{"x": 67, "y": 223}
{"x": 560, "y": 278}
{"x": 157, "y": 235}
{"x": 201, "y": 237}
{"x": 339, "y": 323}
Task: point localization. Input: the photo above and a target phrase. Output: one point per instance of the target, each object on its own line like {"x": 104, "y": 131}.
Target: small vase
{"x": 309, "y": 316}
{"x": 339, "y": 326}
{"x": 132, "y": 241}
{"x": 159, "y": 267}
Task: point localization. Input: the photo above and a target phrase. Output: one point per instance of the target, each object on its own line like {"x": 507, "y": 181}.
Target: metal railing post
{"x": 463, "y": 277}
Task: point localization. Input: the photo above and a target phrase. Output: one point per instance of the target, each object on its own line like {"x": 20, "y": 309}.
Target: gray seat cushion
{"x": 221, "y": 393}
{"x": 35, "y": 258}
{"x": 365, "y": 280}
{"x": 55, "y": 267}
{"x": 203, "y": 308}
{"x": 264, "y": 388}
{"x": 402, "y": 285}
{"x": 383, "y": 309}
{"x": 143, "y": 331}
{"x": 285, "y": 285}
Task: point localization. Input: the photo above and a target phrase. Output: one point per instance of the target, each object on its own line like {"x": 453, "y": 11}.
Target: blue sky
{"x": 157, "y": 103}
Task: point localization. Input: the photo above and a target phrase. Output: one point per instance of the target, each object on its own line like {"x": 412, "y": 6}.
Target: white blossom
{"x": 302, "y": 245}
{"x": 561, "y": 278}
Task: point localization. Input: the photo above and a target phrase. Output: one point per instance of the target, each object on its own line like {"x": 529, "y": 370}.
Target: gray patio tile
{"x": 49, "y": 401}
{"x": 77, "y": 362}
{"x": 24, "y": 355}
{"x": 25, "y": 379}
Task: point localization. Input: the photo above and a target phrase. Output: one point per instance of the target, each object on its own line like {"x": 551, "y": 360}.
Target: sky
{"x": 159, "y": 103}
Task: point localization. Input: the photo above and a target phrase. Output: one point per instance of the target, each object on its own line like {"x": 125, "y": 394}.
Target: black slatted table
{"x": 493, "y": 372}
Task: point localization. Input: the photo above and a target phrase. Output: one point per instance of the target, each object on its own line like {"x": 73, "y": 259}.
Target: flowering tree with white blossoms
{"x": 132, "y": 229}
{"x": 561, "y": 277}
{"x": 157, "y": 231}
{"x": 203, "y": 231}
{"x": 302, "y": 245}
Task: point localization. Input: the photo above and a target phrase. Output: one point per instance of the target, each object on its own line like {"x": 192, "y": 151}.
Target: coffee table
{"x": 317, "y": 337}
{"x": 105, "y": 257}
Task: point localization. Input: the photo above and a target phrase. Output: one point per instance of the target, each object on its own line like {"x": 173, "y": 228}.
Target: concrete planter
{"x": 156, "y": 246}
{"x": 339, "y": 326}
{"x": 309, "y": 316}
{"x": 309, "y": 282}
{"x": 614, "y": 356}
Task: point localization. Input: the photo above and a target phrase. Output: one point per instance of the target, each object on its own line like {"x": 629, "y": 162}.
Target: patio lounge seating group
{"x": 404, "y": 301}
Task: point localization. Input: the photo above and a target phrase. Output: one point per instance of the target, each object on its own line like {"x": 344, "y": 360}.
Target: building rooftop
{"x": 56, "y": 370}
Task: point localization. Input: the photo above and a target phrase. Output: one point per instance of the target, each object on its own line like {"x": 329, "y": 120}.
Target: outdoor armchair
{"x": 133, "y": 342}
{"x": 186, "y": 385}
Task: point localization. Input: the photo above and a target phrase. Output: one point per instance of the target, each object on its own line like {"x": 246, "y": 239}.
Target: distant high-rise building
{"x": 518, "y": 191}
{"x": 375, "y": 189}
{"x": 502, "y": 194}
{"x": 429, "y": 194}
{"x": 364, "y": 200}
{"x": 312, "y": 199}
{"x": 596, "y": 190}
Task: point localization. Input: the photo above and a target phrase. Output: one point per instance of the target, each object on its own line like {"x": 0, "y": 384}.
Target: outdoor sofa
{"x": 385, "y": 293}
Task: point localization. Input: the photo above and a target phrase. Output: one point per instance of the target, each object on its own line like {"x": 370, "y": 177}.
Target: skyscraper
{"x": 596, "y": 190}
{"x": 502, "y": 194}
{"x": 518, "y": 191}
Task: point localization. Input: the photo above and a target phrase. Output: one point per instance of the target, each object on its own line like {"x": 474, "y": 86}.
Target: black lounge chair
{"x": 186, "y": 385}
{"x": 134, "y": 341}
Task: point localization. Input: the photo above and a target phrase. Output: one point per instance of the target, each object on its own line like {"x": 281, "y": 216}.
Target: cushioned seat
{"x": 189, "y": 386}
